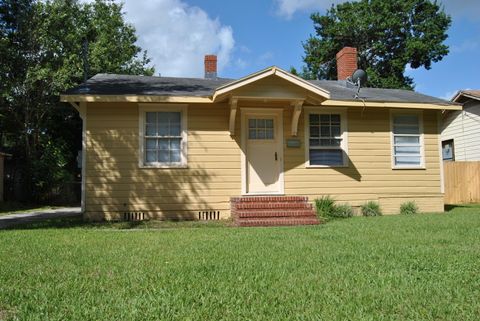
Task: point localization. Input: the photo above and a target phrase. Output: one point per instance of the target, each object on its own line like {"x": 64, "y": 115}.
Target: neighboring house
{"x": 173, "y": 147}
{"x": 2, "y": 160}
{"x": 461, "y": 128}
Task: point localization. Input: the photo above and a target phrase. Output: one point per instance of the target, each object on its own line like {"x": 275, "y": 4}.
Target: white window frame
{"x": 143, "y": 109}
{"x": 343, "y": 134}
{"x": 418, "y": 113}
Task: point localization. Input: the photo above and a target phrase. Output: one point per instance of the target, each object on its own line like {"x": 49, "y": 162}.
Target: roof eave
{"x": 91, "y": 98}
{"x": 386, "y": 104}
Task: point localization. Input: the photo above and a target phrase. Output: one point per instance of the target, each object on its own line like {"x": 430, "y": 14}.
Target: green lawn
{"x": 420, "y": 267}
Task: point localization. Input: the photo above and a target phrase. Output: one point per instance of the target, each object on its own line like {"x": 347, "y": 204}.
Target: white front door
{"x": 263, "y": 137}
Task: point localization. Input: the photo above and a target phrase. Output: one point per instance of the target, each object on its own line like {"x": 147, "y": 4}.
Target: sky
{"x": 250, "y": 35}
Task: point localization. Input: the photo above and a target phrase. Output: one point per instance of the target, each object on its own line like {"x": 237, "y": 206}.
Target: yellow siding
{"x": 115, "y": 184}
{"x": 370, "y": 175}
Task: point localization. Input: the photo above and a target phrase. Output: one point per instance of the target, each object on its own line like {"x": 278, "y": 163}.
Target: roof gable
{"x": 269, "y": 72}
{"x": 464, "y": 95}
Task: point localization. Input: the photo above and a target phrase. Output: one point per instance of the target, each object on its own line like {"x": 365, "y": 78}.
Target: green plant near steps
{"x": 324, "y": 205}
{"x": 371, "y": 208}
{"x": 409, "y": 208}
{"x": 342, "y": 210}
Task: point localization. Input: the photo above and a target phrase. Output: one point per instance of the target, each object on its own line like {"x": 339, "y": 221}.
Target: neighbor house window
{"x": 163, "y": 136}
{"x": 326, "y": 139}
{"x": 407, "y": 141}
{"x": 448, "y": 150}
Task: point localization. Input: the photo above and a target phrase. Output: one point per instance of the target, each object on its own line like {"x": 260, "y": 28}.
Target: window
{"x": 407, "y": 141}
{"x": 326, "y": 139}
{"x": 448, "y": 150}
{"x": 163, "y": 136}
{"x": 260, "y": 128}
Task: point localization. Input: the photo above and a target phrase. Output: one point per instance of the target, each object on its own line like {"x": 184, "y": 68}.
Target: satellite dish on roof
{"x": 359, "y": 78}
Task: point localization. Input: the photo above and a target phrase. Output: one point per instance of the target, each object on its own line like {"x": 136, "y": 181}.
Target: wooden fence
{"x": 462, "y": 182}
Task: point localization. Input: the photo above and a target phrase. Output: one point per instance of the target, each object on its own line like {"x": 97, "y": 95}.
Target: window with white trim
{"x": 326, "y": 139}
{"x": 407, "y": 149}
{"x": 163, "y": 137}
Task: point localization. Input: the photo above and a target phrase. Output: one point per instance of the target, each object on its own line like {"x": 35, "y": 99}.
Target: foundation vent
{"x": 134, "y": 216}
{"x": 208, "y": 215}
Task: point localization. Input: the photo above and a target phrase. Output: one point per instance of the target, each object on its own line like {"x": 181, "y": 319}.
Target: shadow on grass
{"x": 453, "y": 207}
{"x": 78, "y": 222}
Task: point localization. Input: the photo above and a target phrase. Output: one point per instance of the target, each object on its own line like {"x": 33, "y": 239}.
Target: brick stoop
{"x": 272, "y": 211}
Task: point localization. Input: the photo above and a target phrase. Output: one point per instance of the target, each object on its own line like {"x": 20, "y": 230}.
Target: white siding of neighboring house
{"x": 464, "y": 128}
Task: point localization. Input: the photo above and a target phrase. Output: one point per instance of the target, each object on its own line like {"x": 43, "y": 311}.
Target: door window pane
{"x": 269, "y": 133}
{"x": 260, "y": 133}
{"x": 260, "y": 128}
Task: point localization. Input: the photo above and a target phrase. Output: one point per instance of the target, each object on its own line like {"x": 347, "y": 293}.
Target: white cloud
{"x": 287, "y": 8}
{"x": 240, "y": 63}
{"x": 449, "y": 95}
{"x": 265, "y": 58}
{"x": 457, "y": 8}
{"x": 177, "y": 36}
{"x": 468, "y": 45}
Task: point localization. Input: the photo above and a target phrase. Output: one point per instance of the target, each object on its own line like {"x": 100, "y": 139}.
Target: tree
{"x": 41, "y": 53}
{"x": 388, "y": 34}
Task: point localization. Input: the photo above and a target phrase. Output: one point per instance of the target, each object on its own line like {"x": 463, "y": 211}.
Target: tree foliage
{"x": 389, "y": 35}
{"x": 41, "y": 56}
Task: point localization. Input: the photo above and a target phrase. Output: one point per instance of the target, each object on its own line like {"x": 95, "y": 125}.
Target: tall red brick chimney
{"x": 346, "y": 62}
{"x": 211, "y": 66}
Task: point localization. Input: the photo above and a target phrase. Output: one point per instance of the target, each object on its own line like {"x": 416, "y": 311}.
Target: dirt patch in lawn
{"x": 5, "y": 313}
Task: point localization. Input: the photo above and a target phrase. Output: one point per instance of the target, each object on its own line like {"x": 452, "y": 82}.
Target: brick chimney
{"x": 346, "y": 62}
{"x": 210, "y": 66}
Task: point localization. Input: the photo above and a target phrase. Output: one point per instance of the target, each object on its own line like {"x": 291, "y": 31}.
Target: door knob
{"x": 276, "y": 158}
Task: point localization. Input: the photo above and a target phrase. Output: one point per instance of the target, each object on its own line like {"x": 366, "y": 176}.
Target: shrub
{"x": 371, "y": 208}
{"x": 324, "y": 205}
{"x": 342, "y": 210}
{"x": 408, "y": 208}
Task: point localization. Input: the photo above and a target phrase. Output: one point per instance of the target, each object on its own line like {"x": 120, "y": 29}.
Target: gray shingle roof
{"x": 112, "y": 84}
{"x": 339, "y": 91}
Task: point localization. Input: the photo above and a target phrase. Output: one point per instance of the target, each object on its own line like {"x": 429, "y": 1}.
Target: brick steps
{"x": 262, "y": 213}
{"x": 274, "y": 205}
{"x": 278, "y": 221}
{"x": 272, "y": 211}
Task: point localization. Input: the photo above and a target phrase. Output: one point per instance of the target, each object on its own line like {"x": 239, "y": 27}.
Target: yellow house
{"x": 184, "y": 148}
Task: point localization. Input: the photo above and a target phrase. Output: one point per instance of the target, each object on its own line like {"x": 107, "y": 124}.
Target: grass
{"x": 7, "y": 208}
{"x": 421, "y": 267}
